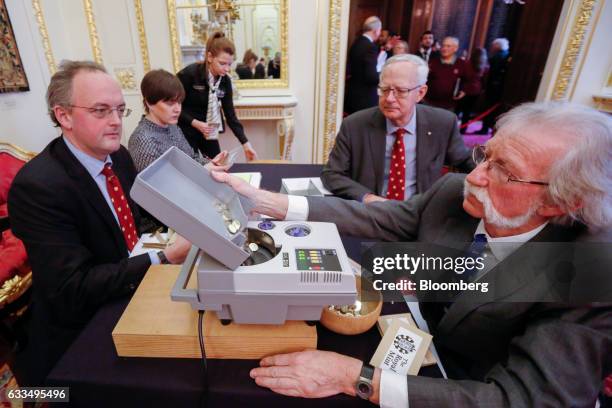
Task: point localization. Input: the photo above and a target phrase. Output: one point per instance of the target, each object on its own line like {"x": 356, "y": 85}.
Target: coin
{"x": 233, "y": 226}
{"x": 253, "y": 247}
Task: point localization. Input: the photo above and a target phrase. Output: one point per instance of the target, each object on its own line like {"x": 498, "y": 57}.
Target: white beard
{"x": 491, "y": 215}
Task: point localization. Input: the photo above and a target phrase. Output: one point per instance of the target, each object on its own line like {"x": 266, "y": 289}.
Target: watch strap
{"x": 162, "y": 258}
{"x": 367, "y": 371}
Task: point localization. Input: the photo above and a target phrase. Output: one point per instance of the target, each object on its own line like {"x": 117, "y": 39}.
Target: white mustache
{"x": 491, "y": 215}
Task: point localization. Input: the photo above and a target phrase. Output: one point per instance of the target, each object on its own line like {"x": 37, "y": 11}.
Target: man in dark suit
{"x": 530, "y": 352}
{"x": 361, "y": 68}
{"x": 362, "y": 162}
{"x": 426, "y": 50}
{"x": 70, "y": 206}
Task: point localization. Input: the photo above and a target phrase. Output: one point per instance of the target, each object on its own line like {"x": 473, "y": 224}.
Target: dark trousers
{"x": 466, "y": 106}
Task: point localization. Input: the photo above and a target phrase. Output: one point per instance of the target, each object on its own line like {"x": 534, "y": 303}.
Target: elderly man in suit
{"x": 70, "y": 206}
{"x": 543, "y": 178}
{"x": 397, "y": 149}
{"x": 361, "y": 68}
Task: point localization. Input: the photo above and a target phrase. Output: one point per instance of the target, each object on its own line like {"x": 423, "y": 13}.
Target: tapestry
{"x": 12, "y": 74}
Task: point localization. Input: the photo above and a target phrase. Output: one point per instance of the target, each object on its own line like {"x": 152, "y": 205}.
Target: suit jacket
{"x": 356, "y": 163}
{"x": 363, "y": 77}
{"x": 77, "y": 252}
{"x": 510, "y": 354}
{"x": 433, "y": 54}
{"x": 194, "y": 78}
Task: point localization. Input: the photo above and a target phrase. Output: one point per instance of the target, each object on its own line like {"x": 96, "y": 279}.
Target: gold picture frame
{"x": 282, "y": 82}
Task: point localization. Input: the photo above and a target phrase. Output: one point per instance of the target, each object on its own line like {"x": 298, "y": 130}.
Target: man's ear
{"x": 63, "y": 116}
{"x": 421, "y": 93}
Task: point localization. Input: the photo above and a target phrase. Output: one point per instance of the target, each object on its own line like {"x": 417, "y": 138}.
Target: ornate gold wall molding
{"x": 93, "y": 32}
{"x": 142, "y": 36}
{"x": 42, "y": 29}
{"x": 603, "y": 102}
{"x": 332, "y": 76}
{"x": 126, "y": 78}
{"x": 573, "y": 49}
{"x": 174, "y": 41}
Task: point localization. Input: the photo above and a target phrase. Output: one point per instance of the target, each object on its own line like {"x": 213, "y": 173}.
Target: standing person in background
{"x": 208, "y": 90}
{"x": 260, "y": 69}
{"x": 246, "y": 69}
{"x": 361, "y": 69}
{"x": 426, "y": 47}
{"x": 400, "y": 47}
{"x": 447, "y": 76}
{"x": 274, "y": 66}
{"x": 500, "y": 56}
{"x": 476, "y": 68}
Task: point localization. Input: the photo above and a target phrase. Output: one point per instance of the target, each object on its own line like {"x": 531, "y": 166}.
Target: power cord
{"x": 203, "y": 351}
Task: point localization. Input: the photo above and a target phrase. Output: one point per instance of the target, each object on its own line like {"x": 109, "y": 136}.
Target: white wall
{"x": 23, "y": 115}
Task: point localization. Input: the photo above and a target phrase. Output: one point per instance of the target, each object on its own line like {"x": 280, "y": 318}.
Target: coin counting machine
{"x": 254, "y": 272}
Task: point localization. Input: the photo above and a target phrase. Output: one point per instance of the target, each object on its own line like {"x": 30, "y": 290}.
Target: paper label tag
{"x": 402, "y": 349}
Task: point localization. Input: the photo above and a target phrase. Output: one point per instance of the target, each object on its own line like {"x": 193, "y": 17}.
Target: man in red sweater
{"x": 447, "y": 75}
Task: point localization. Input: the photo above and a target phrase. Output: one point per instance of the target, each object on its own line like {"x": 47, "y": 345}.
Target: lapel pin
{"x": 428, "y": 133}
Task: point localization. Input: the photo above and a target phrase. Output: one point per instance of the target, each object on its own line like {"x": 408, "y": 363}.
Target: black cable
{"x": 203, "y": 351}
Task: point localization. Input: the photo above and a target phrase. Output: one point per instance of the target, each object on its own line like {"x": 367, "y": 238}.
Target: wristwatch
{"x": 363, "y": 386}
{"x": 162, "y": 258}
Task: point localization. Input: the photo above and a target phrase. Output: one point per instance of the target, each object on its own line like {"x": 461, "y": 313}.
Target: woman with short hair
{"x": 157, "y": 131}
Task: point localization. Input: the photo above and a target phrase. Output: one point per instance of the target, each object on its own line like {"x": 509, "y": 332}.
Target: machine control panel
{"x": 317, "y": 260}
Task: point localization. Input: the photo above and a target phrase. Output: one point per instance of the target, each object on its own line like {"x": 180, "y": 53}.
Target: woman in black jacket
{"x": 208, "y": 90}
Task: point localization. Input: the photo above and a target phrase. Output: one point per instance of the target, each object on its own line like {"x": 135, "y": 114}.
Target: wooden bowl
{"x": 348, "y": 324}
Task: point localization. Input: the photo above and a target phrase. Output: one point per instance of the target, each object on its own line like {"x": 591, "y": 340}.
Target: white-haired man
{"x": 397, "y": 149}
{"x": 447, "y": 76}
{"x": 545, "y": 177}
{"x": 362, "y": 75}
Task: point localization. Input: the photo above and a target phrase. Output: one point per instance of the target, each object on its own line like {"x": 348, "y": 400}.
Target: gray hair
{"x": 59, "y": 91}
{"x": 403, "y": 44}
{"x": 453, "y": 39}
{"x": 503, "y": 43}
{"x": 417, "y": 62}
{"x": 371, "y": 23}
{"x": 584, "y": 174}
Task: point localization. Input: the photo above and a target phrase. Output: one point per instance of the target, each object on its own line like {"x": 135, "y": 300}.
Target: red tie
{"x": 397, "y": 171}
{"x": 122, "y": 208}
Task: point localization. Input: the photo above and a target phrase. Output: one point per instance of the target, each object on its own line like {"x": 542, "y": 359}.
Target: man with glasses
{"x": 397, "y": 149}
{"x": 71, "y": 207}
{"x": 544, "y": 179}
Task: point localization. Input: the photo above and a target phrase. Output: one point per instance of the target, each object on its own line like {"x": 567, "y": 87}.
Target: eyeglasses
{"x": 398, "y": 92}
{"x": 105, "y": 111}
{"x": 496, "y": 170}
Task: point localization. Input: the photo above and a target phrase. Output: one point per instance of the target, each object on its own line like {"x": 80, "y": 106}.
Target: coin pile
{"x": 233, "y": 225}
{"x": 347, "y": 310}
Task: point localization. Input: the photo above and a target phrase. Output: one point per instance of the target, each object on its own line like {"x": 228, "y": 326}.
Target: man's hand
{"x": 219, "y": 163}
{"x": 249, "y": 152}
{"x": 177, "y": 252}
{"x": 308, "y": 374}
{"x": 372, "y": 198}
{"x": 266, "y": 203}
{"x": 460, "y": 95}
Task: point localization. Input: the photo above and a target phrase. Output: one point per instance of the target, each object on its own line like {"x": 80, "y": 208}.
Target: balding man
{"x": 70, "y": 207}
{"x": 544, "y": 178}
{"x": 397, "y": 149}
{"x": 361, "y": 68}
{"x": 447, "y": 75}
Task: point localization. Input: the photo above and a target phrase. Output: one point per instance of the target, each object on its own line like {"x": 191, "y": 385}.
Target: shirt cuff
{"x": 297, "y": 208}
{"x": 393, "y": 390}
{"x": 154, "y": 258}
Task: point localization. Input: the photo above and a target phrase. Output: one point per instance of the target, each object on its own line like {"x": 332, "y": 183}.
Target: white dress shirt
{"x": 394, "y": 387}
{"x": 94, "y": 167}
